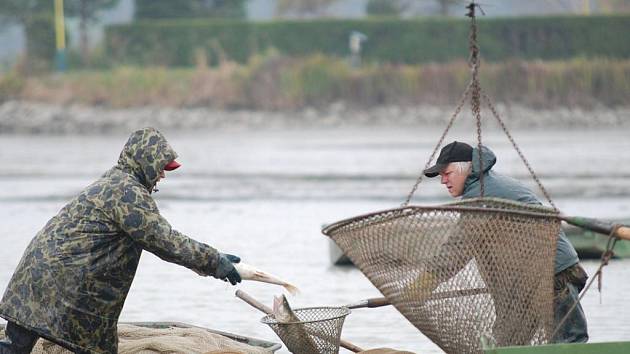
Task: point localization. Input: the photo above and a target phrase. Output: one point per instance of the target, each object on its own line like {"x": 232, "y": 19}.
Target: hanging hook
{"x": 471, "y": 9}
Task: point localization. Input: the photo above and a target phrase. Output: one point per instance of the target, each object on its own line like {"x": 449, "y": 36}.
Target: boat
{"x": 588, "y": 244}
{"x": 573, "y": 348}
{"x": 591, "y": 245}
{"x": 337, "y": 257}
{"x": 254, "y": 342}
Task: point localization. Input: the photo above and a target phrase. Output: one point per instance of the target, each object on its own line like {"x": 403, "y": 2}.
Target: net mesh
{"x": 171, "y": 339}
{"x": 460, "y": 272}
{"x": 317, "y": 331}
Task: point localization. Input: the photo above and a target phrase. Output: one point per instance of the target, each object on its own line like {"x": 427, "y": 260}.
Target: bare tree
{"x": 303, "y": 8}
{"x": 26, "y": 13}
{"x": 445, "y": 6}
{"x": 88, "y": 11}
{"x": 614, "y": 6}
{"x": 388, "y": 7}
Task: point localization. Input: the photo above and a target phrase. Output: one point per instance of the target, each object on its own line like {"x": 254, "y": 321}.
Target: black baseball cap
{"x": 453, "y": 152}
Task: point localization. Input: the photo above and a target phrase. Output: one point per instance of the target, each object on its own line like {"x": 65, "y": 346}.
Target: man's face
{"x": 453, "y": 179}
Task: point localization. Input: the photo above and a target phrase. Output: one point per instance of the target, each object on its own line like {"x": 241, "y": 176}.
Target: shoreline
{"x": 34, "y": 118}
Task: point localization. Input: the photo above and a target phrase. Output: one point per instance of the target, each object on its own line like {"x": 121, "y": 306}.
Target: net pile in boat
{"x": 168, "y": 339}
{"x": 479, "y": 268}
{"x": 317, "y": 331}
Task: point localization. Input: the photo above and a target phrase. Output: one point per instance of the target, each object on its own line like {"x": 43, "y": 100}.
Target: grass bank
{"x": 274, "y": 82}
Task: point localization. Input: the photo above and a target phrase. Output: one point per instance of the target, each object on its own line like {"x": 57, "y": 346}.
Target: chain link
{"x": 475, "y": 91}
{"x": 475, "y": 98}
{"x": 462, "y": 100}
{"x": 473, "y": 88}
{"x": 518, "y": 150}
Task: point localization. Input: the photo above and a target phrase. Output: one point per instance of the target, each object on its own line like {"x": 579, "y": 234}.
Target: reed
{"x": 274, "y": 82}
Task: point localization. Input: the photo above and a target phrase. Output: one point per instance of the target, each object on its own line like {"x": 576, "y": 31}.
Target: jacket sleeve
{"x": 139, "y": 218}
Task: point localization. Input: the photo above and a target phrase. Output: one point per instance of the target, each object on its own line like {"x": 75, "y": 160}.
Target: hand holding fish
{"x": 226, "y": 270}
{"x": 249, "y": 272}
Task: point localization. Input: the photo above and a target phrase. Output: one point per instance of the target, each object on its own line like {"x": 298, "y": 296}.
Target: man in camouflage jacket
{"x": 72, "y": 281}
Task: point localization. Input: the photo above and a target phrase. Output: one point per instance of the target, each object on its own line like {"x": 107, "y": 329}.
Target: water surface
{"x": 265, "y": 195}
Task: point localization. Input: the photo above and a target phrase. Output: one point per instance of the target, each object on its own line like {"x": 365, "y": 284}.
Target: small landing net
{"x": 317, "y": 331}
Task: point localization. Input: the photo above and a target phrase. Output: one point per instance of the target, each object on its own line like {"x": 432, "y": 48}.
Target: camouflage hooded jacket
{"x": 72, "y": 281}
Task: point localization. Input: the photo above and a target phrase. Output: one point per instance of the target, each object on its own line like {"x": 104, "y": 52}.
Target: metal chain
{"x": 462, "y": 100}
{"x": 518, "y": 150}
{"x": 476, "y": 106}
{"x": 475, "y": 88}
{"x": 475, "y": 98}
{"x": 476, "y": 92}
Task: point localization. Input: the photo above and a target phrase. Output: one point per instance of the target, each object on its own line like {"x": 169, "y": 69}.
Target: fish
{"x": 282, "y": 312}
{"x": 299, "y": 339}
{"x": 249, "y": 272}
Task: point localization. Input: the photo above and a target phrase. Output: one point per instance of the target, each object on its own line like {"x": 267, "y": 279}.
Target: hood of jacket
{"x": 499, "y": 186}
{"x": 488, "y": 160}
{"x": 144, "y": 156}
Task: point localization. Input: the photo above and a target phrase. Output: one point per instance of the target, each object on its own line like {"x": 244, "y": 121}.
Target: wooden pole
{"x": 370, "y": 303}
{"x": 382, "y": 301}
{"x": 604, "y": 227}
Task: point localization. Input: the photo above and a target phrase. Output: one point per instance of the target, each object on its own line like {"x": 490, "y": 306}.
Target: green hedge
{"x": 178, "y": 42}
{"x": 40, "y": 43}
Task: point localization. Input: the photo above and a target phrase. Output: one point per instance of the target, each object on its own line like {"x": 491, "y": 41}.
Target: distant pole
{"x": 586, "y": 7}
{"x": 356, "y": 38}
{"x": 60, "y": 37}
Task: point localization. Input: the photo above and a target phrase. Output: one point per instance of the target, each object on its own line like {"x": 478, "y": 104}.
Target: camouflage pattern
{"x": 72, "y": 281}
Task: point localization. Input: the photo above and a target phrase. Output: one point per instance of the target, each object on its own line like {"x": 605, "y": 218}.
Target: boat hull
{"x": 576, "y": 348}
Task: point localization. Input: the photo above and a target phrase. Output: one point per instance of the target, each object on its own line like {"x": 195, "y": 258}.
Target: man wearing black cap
{"x": 453, "y": 165}
{"x": 459, "y": 169}
{"x": 74, "y": 276}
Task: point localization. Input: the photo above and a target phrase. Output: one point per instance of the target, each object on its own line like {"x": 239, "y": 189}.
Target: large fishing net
{"x": 167, "y": 338}
{"x": 461, "y": 272}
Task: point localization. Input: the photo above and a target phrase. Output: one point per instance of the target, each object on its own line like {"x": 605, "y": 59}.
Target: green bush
{"x": 11, "y": 85}
{"x": 391, "y": 40}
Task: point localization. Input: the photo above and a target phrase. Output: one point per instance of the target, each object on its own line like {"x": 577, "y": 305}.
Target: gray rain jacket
{"x": 72, "y": 281}
{"x": 499, "y": 186}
